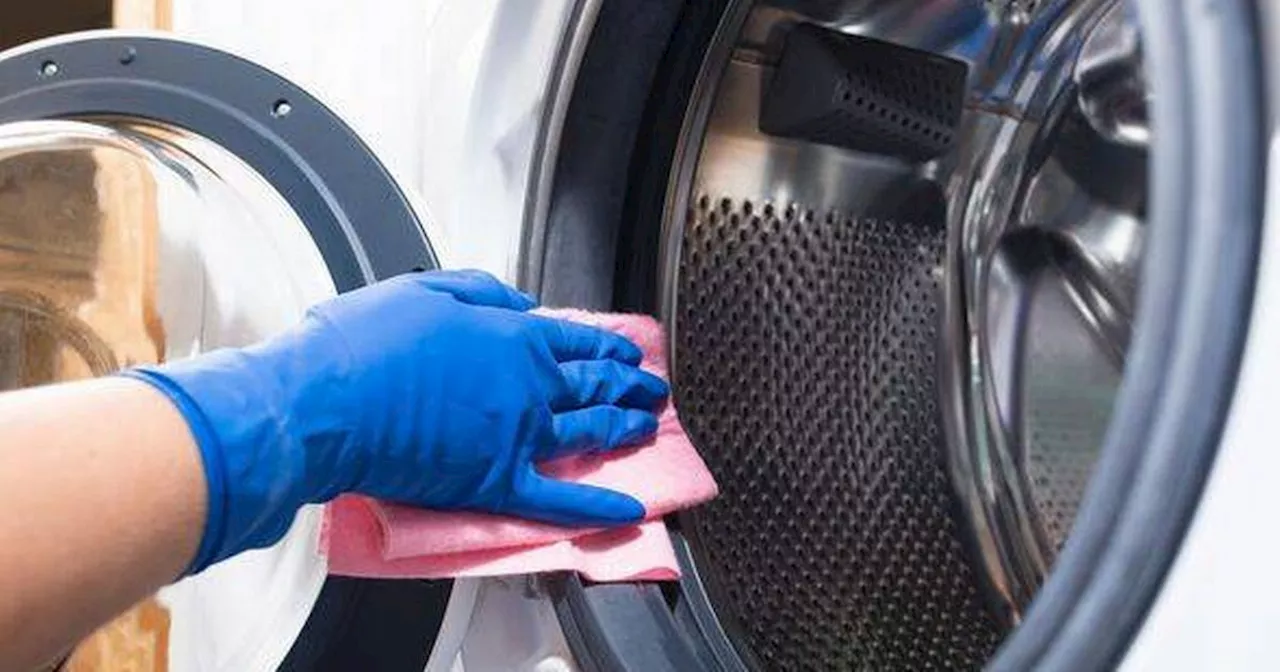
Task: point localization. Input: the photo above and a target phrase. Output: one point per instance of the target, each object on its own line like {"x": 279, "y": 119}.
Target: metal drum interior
{"x": 897, "y": 341}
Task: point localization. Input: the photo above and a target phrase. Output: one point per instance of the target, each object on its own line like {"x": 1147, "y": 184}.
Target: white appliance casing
{"x": 451, "y": 94}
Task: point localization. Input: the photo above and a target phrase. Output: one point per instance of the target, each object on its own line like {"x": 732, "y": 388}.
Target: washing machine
{"x": 967, "y": 304}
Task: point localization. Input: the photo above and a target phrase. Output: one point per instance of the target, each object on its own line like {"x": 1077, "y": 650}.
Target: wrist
{"x": 234, "y": 406}
{"x": 213, "y": 534}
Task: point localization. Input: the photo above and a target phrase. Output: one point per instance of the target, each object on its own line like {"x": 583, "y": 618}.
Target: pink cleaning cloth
{"x": 365, "y": 537}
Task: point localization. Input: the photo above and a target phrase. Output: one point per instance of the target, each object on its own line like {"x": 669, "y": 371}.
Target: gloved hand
{"x": 432, "y": 389}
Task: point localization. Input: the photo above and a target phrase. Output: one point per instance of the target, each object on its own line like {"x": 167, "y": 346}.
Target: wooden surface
{"x": 79, "y": 230}
{"x": 78, "y": 236}
{"x": 142, "y": 14}
{"x": 121, "y": 312}
{"x": 138, "y": 640}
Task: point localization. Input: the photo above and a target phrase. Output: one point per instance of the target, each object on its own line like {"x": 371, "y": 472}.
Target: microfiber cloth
{"x": 366, "y": 537}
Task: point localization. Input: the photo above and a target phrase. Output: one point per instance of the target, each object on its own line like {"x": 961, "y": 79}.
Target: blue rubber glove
{"x": 432, "y": 389}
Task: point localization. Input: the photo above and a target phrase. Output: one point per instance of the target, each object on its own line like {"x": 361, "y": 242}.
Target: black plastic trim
{"x": 361, "y": 221}
{"x": 370, "y": 624}
{"x": 625, "y": 626}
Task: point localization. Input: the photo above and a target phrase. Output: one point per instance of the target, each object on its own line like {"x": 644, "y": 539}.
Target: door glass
{"x": 124, "y": 243}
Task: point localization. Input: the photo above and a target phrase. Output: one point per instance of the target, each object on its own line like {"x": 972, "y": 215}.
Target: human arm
{"x": 102, "y": 501}
{"x": 437, "y": 390}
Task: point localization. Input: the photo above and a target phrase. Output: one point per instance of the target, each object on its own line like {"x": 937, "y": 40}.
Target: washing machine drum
{"x": 919, "y": 293}
{"x": 807, "y": 358}
{"x": 159, "y": 199}
{"x": 903, "y": 426}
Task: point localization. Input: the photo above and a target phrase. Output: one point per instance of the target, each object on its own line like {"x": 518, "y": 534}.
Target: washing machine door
{"x": 159, "y": 199}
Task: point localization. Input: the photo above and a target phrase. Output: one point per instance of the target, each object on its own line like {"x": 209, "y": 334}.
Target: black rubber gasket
{"x": 362, "y": 223}
{"x": 370, "y": 624}
{"x": 637, "y": 76}
{"x": 625, "y": 626}
{"x": 359, "y": 218}
{"x": 600, "y": 138}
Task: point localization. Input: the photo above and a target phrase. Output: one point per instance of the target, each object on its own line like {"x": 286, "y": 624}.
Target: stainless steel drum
{"x": 898, "y": 349}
